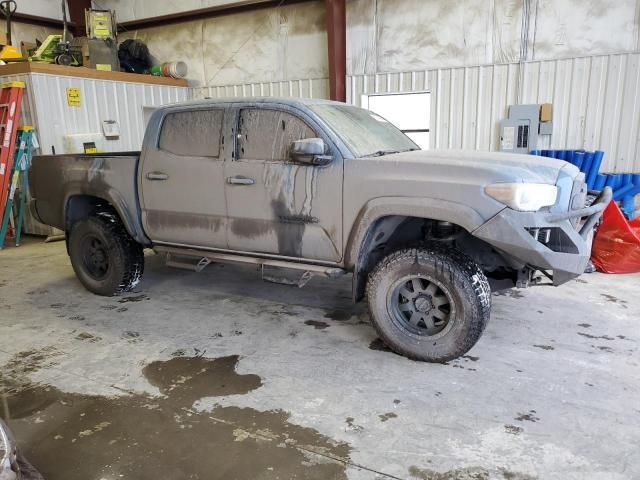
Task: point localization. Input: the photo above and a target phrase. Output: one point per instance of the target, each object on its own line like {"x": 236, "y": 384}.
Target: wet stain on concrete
{"x": 133, "y": 298}
{"x": 545, "y": 347}
{"x": 469, "y": 473}
{"x": 584, "y": 325}
{"x": 513, "y": 430}
{"x": 528, "y": 417}
{"x": 78, "y": 318}
{"x": 75, "y": 436}
{"x": 470, "y": 357}
{"x": 378, "y": 344}
{"x": 318, "y": 325}
{"x": 396, "y": 401}
{"x": 387, "y": 416}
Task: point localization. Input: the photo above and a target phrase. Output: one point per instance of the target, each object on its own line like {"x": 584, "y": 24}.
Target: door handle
{"x": 157, "y": 176}
{"x": 240, "y": 181}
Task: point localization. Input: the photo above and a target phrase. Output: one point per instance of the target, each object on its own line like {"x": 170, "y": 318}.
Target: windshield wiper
{"x": 381, "y": 153}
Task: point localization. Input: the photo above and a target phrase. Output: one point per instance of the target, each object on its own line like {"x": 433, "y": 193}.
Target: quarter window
{"x": 195, "y": 133}
{"x": 267, "y": 135}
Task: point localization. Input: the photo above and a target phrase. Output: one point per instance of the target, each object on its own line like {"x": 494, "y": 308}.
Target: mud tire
{"x": 124, "y": 256}
{"x": 468, "y": 290}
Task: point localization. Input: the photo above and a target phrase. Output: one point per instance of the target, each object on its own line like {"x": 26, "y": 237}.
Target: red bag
{"x": 616, "y": 246}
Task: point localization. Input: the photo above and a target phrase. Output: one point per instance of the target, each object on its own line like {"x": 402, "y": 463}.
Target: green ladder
{"x": 21, "y": 165}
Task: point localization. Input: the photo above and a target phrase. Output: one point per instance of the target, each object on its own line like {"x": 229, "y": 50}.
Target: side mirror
{"x": 310, "y": 151}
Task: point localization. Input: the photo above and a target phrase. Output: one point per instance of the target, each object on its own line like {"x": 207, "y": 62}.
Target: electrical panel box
{"x": 520, "y": 132}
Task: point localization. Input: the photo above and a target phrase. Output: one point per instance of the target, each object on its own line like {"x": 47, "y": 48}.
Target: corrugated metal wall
{"x": 308, "y": 88}
{"x": 100, "y": 100}
{"x": 596, "y": 102}
{"x": 45, "y": 107}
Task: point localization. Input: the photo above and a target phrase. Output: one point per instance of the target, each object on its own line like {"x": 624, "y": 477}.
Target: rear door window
{"x": 194, "y": 133}
{"x": 267, "y": 135}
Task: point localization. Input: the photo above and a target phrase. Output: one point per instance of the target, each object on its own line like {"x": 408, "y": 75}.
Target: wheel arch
{"x": 380, "y": 219}
{"x": 79, "y": 206}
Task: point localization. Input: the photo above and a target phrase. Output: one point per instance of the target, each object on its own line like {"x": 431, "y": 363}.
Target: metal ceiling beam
{"x": 337, "y": 46}
{"x": 36, "y": 20}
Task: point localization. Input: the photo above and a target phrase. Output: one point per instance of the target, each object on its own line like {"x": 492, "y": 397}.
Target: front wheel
{"x": 429, "y": 303}
{"x": 105, "y": 258}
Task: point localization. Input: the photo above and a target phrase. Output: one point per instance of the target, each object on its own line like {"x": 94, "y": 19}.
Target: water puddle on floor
{"x": 71, "y": 436}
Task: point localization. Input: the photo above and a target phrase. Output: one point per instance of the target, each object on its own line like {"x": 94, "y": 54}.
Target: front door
{"x": 182, "y": 180}
{"x": 275, "y": 206}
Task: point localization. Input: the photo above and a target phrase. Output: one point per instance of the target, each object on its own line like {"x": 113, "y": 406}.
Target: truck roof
{"x": 294, "y": 102}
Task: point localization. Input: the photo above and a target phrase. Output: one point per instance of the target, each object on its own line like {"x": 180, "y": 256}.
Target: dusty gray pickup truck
{"x": 323, "y": 188}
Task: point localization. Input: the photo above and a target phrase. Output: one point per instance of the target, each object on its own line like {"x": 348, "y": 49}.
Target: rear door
{"x": 182, "y": 179}
{"x": 274, "y": 205}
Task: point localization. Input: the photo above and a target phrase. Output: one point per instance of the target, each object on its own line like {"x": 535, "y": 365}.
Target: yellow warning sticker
{"x": 73, "y": 96}
{"x": 105, "y": 67}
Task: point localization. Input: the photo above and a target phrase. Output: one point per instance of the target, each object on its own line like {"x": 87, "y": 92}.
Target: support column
{"x": 76, "y": 16}
{"x": 337, "y": 48}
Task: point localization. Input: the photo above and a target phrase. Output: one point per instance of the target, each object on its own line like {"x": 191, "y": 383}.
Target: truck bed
{"x": 54, "y": 179}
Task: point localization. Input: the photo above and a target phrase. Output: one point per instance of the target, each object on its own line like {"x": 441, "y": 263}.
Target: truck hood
{"x": 481, "y": 167}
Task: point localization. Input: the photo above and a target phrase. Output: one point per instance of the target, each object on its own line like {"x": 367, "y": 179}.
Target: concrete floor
{"x": 219, "y": 375}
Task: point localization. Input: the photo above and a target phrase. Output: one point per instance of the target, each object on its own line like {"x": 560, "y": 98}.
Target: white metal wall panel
{"x": 100, "y": 100}
{"x": 596, "y": 102}
{"x": 306, "y": 88}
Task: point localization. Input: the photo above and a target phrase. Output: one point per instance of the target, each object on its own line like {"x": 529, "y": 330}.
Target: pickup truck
{"x": 323, "y": 188}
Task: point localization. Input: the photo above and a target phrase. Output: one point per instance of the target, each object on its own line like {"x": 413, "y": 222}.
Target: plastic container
{"x": 170, "y": 69}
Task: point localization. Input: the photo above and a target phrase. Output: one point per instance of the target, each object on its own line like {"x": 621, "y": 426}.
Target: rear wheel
{"x": 104, "y": 257}
{"x": 429, "y": 303}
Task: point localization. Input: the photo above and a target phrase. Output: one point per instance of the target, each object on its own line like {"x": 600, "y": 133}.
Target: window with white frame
{"x": 410, "y": 112}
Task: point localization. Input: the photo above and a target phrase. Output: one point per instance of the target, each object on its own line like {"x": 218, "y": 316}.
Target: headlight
{"x": 525, "y": 197}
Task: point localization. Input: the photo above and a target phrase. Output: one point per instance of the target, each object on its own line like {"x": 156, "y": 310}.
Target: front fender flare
{"x": 421, "y": 207}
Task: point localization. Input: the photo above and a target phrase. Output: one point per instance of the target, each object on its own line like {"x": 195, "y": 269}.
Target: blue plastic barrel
{"x": 578, "y": 158}
{"x": 586, "y": 167}
{"x": 598, "y": 185}
{"x": 594, "y": 168}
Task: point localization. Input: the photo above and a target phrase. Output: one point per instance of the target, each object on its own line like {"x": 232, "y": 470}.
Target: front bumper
{"x": 564, "y": 248}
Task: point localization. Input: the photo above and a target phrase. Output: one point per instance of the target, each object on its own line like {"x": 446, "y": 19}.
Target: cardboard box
{"x": 546, "y": 112}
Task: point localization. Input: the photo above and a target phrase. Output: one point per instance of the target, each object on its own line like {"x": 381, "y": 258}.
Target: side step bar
{"x": 206, "y": 257}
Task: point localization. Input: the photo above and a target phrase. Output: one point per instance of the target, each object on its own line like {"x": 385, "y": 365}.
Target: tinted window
{"x": 192, "y": 134}
{"x": 268, "y": 134}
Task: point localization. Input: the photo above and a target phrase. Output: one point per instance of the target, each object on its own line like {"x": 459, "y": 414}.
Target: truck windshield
{"x": 364, "y": 132}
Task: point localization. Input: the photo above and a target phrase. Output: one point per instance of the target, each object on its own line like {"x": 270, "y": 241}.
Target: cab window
{"x": 194, "y": 133}
{"x": 267, "y": 135}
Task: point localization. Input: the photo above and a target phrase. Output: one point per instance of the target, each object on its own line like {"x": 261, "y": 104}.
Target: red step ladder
{"x": 10, "y": 110}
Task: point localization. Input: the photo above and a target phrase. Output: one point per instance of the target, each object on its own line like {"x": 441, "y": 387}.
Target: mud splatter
{"x": 339, "y": 315}
{"x": 545, "y": 347}
{"x": 470, "y": 357}
{"x": 351, "y": 426}
{"x": 396, "y": 401}
{"x": 387, "y": 416}
{"x": 616, "y": 300}
{"x": 88, "y": 336}
{"x": 513, "y": 430}
{"x": 470, "y": 473}
{"x": 318, "y": 325}
{"x": 129, "y": 436}
{"x": 133, "y": 298}
{"x": 378, "y": 344}
{"x": 584, "y": 325}
{"x": 528, "y": 417}
{"x": 597, "y": 337}
{"x": 513, "y": 293}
